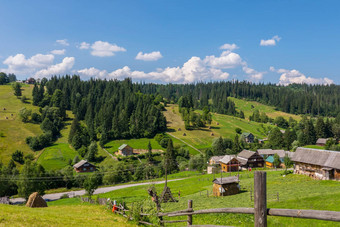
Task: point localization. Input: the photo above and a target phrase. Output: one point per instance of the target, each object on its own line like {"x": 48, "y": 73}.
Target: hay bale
{"x": 11, "y": 115}
{"x": 184, "y": 134}
{"x": 6, "y": 118}
{"x": 212, "y": 134}
{"x": 35, "y": 200}
{"x": 179, "y": 129}
{"x": 217, "y": 123}
{"x": 4, "y": 108}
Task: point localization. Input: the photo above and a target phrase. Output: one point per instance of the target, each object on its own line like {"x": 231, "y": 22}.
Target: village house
{"x": 318, "y": 164}
{"x": 30, "y": 81}
{"x": 248, "y": 137}
{"x": 321, "y": 141}
{"x": 226, "y": 186}
{"x": 125, "y": 150}
{"x": 229, "y": 163}
{"x": 250, "y": 159}
{"x": 84, "y": 166}
{"x": 214, "y": 160}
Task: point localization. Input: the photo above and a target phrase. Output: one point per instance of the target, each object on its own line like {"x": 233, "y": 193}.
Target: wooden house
{"x": 250, "y": 159}
{"x": 321, "y": 142}
{"x": 229, "y": 163}
{"x": 318, "y": 164}
{"x": 30, "y": 81}
{"x": 226, "y": 186}
{"x": 214, "y": 160}
{"x": 84, "y": 166}
{"x": 125, "y": 150}
{"x": 248, "y": 137}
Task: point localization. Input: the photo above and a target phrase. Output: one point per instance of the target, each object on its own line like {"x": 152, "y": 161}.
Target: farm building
{"x": 212, "y": 169}
{"x": 248, "y": 137}
{"x": 321, "y": 141}
{"x": 250, "y": 159}
{"x": 318, "y": 164}
{"x": 226, "y": 186}
{"x": 125, "y": 150}
{"x": 214, "y": 160}
{"x": 84, "y": 166}
{"x": 229, "y": 163}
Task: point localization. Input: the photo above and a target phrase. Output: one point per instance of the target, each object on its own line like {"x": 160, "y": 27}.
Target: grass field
{"x": 14, "y": 130}
{"x": 142, "y": 143}
{"x": 315, "y": 147}
{"x": 295, "y": 192}
{"x": 246, "y": 107}
{"x": 60, "y": 215}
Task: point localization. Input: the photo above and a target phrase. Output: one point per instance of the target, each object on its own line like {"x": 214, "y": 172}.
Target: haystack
{"x": 35, "y": 200}
{"x": 212, "y": 134}
{"x": 217, "y": 123}
{"x": 184, "y": 134}
{"x": 179, "y": 129}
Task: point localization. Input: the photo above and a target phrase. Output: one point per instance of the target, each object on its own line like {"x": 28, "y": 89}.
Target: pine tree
{"x": 149, "y": 154}
{"x": 75, "y": 127}
{"x": 320, "y": 128}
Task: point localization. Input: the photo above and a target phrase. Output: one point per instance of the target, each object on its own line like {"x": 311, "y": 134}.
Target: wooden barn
{"x": 321, "y": 141}
{"x": 84, "y": 166}
{"x": 226, "y": 186}
{"x": 125, "y": 150}
{"x": 248, "y": 137}
{"x": 318, "y": 164}
{"x": 250, "y": 159}
{"x": 229, "y": 163}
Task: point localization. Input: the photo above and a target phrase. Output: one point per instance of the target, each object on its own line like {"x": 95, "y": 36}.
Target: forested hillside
{"x": 295, "y": 98}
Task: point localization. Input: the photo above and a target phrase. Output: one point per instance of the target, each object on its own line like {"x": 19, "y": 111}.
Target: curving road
{"x": 56, "y": 196}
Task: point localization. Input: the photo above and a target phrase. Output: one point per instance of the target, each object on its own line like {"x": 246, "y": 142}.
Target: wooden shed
{"x": 125, "y": 150}
{"x": 321, "y": 141}
{"x": 226, "y": 186}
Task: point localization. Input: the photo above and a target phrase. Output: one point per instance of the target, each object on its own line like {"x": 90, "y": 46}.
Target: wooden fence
{"x": 260, "y": 210}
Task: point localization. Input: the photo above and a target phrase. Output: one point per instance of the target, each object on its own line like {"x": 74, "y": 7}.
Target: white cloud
{"x": 84, "y": 46}
{"x": 58, "y": 69}
{"x": 63, "y": 42}
{"x": 228, "y": 46}
{"x": 253, "y": 75}
{"x": 58, "y": 52}
{"x": 153, "y": 56}
{"x": 105, "y": 49}
{"x": 227, "y": 60}
{"x": 270, "y": 42}
{"x": 294, "y": 76}
{"x": 21, "y": 65}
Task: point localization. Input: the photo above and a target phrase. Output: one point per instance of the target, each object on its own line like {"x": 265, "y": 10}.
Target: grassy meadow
{"x": 13, "y": 129}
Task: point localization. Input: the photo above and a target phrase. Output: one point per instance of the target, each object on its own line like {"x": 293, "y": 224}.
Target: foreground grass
{"x": 14, "y": 130}
{"x": 60, "y": 215}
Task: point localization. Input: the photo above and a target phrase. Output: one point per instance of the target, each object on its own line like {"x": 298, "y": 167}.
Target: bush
{"x": 238, "y": 130}
{"x": 18, "y": 156}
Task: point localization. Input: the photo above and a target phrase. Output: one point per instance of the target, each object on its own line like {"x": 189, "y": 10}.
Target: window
{"x": 84, "y": 169}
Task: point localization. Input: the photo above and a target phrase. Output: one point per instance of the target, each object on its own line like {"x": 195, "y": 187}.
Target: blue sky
{"x": 173, "y": 41}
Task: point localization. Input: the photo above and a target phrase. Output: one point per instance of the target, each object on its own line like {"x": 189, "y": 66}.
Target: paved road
{"x": 56, "y": 196}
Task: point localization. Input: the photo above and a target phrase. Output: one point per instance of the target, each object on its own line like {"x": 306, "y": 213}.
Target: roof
{"x": 226, "y": 180}
{"x": 227, "y": 158}
{"x": 79, "y": 164}
{"x": 246, "y": 154}
{"x": 317, "y": 157}
{"x": 270, "y": 159}
{"x": 246, "y": 134}
{"x": 281, "y": 153}
{"x": 216, "y": 158}
{"x": 322, "y": 140}
{"x": 122, "y": 146}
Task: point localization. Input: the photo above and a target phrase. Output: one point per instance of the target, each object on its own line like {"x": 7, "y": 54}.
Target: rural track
{"x": 56, "y": 196}
{"x": 184, "y": 142}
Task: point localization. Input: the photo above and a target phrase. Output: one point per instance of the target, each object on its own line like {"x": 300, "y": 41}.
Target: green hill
{"x": 13, "y": 129}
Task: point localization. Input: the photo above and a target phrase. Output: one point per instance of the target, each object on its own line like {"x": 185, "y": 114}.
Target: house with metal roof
{"x": 248, "y": 137}
{"x": 125, "y": 150}
{"x": 318, "y": 164}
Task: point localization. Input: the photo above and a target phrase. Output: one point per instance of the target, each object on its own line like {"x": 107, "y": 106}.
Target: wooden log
{"x": 189, "y": 215}
{"x": 174, "y": 221}
{"x": 310, "y": 214}
{"x": 145, "y": 223}
{"x": 217, "y": 210}
{"x": 174, "y": 212}
{"x": 260, "y": 199}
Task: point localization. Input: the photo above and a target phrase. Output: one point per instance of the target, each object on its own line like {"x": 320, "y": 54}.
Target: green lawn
{"x": 315, "y": 147}
{"x": 14, "y": 130}
{"x": 142, "y": 143}
{"x": 56, "y": 156}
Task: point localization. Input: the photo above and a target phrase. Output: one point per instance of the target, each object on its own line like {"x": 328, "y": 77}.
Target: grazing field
{"x": 248, "y": 108}
{"x": 222, "y": 125}
{"x": 13, "y": 130}
{"x": 56, "y": 156}
{"x": 60, "y": 215}
{"x": 295, "y": 192}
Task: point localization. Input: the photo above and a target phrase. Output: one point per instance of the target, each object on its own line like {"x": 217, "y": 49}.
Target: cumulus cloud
{"x": 58, "y": 52}
{"x": 227, "y": 60}
{"x": 228, "y": 46}
{"x": 153, "y": 56}
{"x": 270, "y": 42}
{"x": 105, "y": 49}
{"x": 253, "y": 75}
{"x": 58, "y": 69}
{"x": 21, "y": 65}
{"x": 63, "y": 42}
{"x": 84, "y": 46}
{"x": 294, "y": 76}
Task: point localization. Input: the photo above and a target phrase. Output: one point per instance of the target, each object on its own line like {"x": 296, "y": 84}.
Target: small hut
{"x": 226, "y": 186}
{"x": 35, "y": 200}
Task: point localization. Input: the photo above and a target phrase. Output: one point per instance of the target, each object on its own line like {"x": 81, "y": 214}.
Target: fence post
{"x": 189, "y": 216}
{"x": 277, "y": 196}
{"x": 260, "y": 199}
